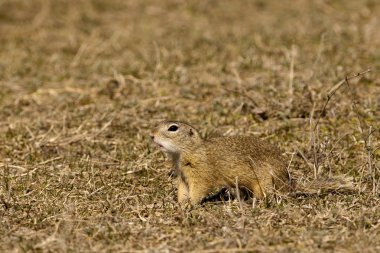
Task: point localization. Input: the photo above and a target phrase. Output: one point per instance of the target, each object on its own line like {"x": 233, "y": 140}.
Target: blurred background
{"x": 82, "y": 83}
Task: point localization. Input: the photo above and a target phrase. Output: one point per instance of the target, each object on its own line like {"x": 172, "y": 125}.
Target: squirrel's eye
{"x": 173, "y": 128}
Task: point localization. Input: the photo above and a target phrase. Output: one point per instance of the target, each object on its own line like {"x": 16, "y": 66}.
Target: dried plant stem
{"x": 371, "y": 168}
{"x": 314, "y": 133}
{"x": 334, "y": 89}
{"x": 238, "y": 193}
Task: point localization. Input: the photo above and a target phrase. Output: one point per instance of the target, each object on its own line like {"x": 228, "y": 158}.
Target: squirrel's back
{"x": 241, "y": 154}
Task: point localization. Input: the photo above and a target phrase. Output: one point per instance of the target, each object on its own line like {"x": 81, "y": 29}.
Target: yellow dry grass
{"x": 82, "y": 83}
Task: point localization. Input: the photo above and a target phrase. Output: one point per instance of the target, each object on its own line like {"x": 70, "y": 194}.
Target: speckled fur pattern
{"x": 209, "y": 165}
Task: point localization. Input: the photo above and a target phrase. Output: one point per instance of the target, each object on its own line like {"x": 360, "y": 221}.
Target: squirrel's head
{"x": 175, "y": 137}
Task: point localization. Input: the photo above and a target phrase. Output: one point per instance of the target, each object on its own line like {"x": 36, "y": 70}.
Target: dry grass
{"x": 83, "y": 82}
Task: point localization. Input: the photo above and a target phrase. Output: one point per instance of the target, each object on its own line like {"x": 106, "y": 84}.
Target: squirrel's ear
{"x": 191, "y": 132}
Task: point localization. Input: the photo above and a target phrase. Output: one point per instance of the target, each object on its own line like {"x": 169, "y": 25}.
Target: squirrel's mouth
{"x": 162, "y": 148}
{"x": 164, "y": 145}
{"x": 159, "y": 145}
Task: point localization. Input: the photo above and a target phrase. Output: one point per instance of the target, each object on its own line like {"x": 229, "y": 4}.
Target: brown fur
{"x": 204, "y": 166}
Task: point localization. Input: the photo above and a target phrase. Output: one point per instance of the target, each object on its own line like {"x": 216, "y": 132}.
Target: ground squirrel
{"x": 204, "y": 166}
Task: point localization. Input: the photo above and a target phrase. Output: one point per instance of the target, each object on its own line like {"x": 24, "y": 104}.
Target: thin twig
{"x": 288, "y": 167}
{"x": 238, "y": 193}
{"x": 314, "y": 132}
{"x": 299, "y": 152}
{"x": 12, "y": 166}
{"x": 291, "y": 73}
{"x": 241, "y": 94}
{"x": 334, "y": 89}
{"x": 366, "y": 138}
{"x": 314, "y": 146}
{"x": 370, "y": 168}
